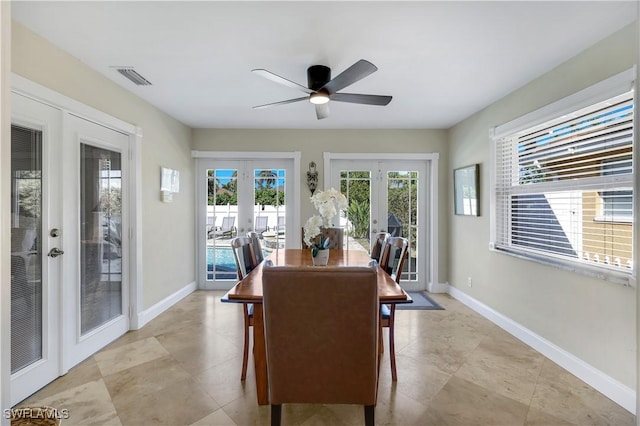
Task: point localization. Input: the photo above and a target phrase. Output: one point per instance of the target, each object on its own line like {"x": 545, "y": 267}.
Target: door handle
{"x": 55, "y": 252}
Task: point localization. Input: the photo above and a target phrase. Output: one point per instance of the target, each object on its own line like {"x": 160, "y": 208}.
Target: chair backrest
{"x": 281, "y": 223}
{"x": 335, "y": 235}
{"x": 244, "y": 255}
{"x": 377, "y": 244}
{"x": 257, "y": 247}
{"x": 211, "y": 223}
{"x": 321, "y": 330}
{"x": 261, "y": 223}
{"x": 395, "y": 252}
{"x": 228, "y": 222}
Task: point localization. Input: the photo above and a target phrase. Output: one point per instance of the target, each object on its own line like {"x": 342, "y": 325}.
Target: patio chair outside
{"x": 211, "y": 224}
{"x": 261, "y": 224}
{"x": 228, "y": 227}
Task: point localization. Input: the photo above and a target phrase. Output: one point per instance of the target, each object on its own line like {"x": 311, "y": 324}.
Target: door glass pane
{"x": 222, "y": 221}
{"x": 356, "y": 186}
{"x": 26, "y": 247}
{"x": 100, "y": 236}
{"x": 402, "y": 221}
{"x": 269, "y": 208}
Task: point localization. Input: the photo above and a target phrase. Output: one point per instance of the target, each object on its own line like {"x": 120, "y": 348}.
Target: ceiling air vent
{"x": 133, "y": 75}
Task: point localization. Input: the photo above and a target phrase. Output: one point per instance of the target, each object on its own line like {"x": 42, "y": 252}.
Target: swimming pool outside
{"x": 225, "y": 264}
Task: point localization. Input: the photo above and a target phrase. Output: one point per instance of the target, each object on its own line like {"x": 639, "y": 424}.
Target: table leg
{"x": 260, "y": 355}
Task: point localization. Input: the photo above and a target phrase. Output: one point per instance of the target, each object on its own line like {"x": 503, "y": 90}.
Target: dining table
{"x": 249, "y": 290}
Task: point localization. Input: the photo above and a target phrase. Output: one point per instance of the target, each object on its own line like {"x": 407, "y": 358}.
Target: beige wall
{"x": 312, "y": 143}
{"x": 588, "y": 317}
{"x": 167, "y": 229}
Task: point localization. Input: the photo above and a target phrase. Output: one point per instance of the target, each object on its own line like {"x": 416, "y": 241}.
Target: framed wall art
{"x": 465, "y": 189}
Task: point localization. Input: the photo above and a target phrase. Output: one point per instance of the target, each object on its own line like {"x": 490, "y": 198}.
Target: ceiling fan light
{"x": 319, "y": 98}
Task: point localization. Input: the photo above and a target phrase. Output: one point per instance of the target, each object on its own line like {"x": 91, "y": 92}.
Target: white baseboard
{"x": 438, "y": 288}
{"x": 148, "y": 314}
{"x": 608, "y": 386}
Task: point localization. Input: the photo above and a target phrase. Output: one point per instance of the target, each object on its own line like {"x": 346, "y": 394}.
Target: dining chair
{"x": 244, "y": 255}
{"x": 378, "y": 244}
{"x": 394, "y": 254}
{"x": 321, "y": 331}
{"x": 261, "y": 224}
{"x": 257, "y": 246}
{"x": 335, "y": 235}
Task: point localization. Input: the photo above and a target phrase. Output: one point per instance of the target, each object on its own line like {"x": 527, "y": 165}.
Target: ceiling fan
{"x": 322, "y": 88}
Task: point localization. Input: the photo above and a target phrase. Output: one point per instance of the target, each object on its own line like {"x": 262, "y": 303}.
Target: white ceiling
{"x": 441, "y": 61}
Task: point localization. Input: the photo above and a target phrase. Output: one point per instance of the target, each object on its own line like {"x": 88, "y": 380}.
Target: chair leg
{"x": 392, "y": 345}
{"x": 245, "y": 355}
{"x": 276, "y": 414}
{"x": 369, "y": 415}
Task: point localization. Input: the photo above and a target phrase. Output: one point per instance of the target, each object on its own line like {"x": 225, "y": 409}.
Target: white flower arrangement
{"x": 328, "y": 203}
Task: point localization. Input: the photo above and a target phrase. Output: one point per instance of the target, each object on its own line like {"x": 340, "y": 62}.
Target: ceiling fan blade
{"x": 281, "y": 80}
{"x": 354, "y": 73}
{"x": 356, "y": 98}
{"x": 288, "y": 101}
{"x": 322, "y": 111}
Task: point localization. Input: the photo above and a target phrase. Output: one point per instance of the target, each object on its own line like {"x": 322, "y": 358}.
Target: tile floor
{"x": 454, "y": 368}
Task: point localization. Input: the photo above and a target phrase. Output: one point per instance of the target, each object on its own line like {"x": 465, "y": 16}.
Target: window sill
{"x": 614, "y": 219}
{"x": 600, "y": 272}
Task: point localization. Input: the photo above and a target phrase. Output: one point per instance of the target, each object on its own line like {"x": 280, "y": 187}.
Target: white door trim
{"x": 68, "y": 105}
{"x": 432, "y": 170}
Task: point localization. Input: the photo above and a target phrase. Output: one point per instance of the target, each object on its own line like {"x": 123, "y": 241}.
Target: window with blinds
{"x": 563, "y": 189}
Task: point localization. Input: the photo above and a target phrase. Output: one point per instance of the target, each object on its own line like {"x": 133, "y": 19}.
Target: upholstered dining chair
{"x": 394, "y": 254}
{"x": 244, "y": 255}
{"x": 257, "y": 247}
{"x": 321, "y": 331}
{"x": 335, "y": 235}
{"x": 378, "y": 244}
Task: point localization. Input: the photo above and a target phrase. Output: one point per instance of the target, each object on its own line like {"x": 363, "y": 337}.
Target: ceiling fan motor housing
{"x": 318, "y": 76}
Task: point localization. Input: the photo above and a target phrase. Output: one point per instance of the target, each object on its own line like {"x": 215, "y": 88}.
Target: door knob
{"x": 55, "y": 252}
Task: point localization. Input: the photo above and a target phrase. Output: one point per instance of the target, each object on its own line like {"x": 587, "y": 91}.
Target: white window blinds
{"x": 564, "y": 189}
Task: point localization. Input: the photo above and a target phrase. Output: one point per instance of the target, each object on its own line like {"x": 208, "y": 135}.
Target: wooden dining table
{"x": 249, "y": 290}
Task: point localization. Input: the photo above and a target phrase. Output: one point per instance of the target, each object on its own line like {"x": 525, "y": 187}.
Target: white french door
{"x": 35, "y": 217}
{"x": 69, "y": 281}
{"x": 95, "y": 292}
{"x": 388, "y": 196}
{"x": 236, "y": 197}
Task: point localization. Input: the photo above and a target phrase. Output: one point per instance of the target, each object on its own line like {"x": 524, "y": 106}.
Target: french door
{"x": 35, "y": 277}
{"x": 386, "y": 196}
{"x": 95, "y": 292}
{"x": 236, "y": 197}
{"x": 68, "y": 251}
